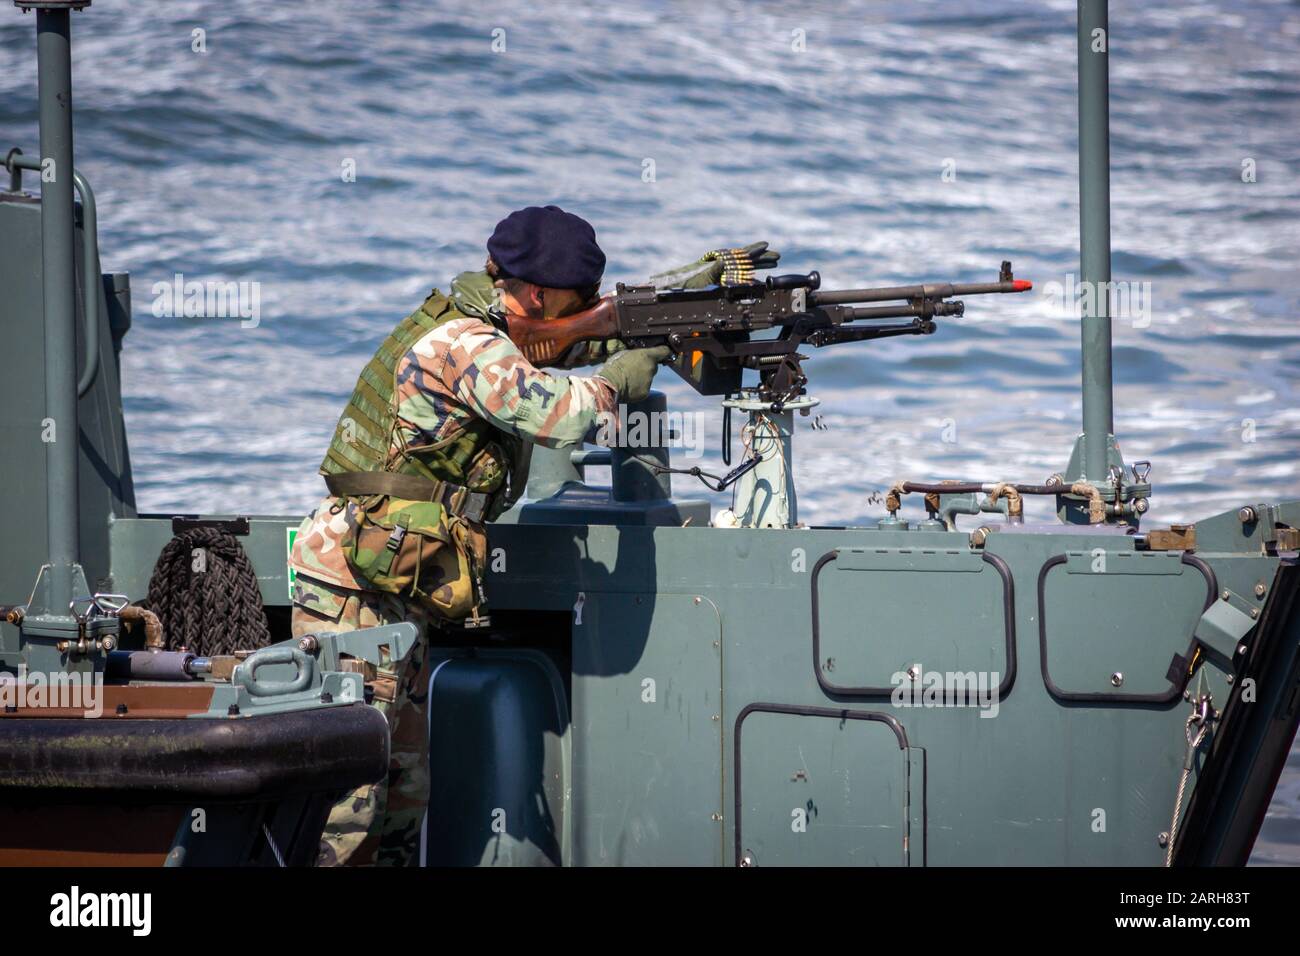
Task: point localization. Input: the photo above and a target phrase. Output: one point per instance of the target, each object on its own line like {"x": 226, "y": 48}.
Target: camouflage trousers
{"x": 379, "y": 823}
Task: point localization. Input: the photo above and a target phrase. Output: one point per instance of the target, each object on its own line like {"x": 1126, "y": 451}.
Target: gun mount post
{"x": 1096, "y": 457}
{"x": 54, "y": 58}
{"x": 51, "y": 614}
{"x": 1093, "y": 457}
{"x": 765, "y": 496}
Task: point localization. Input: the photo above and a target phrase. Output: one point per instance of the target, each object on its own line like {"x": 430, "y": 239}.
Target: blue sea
{"x": 346, "y": 157}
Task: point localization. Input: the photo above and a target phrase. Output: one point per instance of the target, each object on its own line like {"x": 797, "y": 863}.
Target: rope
{"x": 205, "y": 590}
{"x": 1192, "y": 745}
{"x": 270, "y": 841}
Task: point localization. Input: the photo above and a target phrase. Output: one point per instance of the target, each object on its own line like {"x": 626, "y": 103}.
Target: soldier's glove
{"x": 632, "y": 370}
{"x": 588, "y": 353}
{"x": 719, "y": 267}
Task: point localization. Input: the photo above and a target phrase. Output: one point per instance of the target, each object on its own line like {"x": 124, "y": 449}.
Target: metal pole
{"x": 1094, "y": 234}
{"x": 54, "y": 71}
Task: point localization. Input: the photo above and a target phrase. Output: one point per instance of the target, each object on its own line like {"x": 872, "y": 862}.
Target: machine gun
{"x": 710, "y": 329}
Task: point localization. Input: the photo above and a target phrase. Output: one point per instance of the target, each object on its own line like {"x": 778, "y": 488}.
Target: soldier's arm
{"x": 490, "y": 375}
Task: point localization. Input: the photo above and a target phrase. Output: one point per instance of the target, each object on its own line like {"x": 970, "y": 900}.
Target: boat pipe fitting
{"x": 894, "y": 496}
{"x": 960, "y": 505}
{"x": 15, "y": 171}
{"x": 1015, "y": 504}
{"x": 153, "y": 636}
{"x": 1013, "y": 492}
{"x": 1096, "y": 504}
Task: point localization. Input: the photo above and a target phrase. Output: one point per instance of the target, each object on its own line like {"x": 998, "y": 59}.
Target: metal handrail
{"x": 90, "y": 264}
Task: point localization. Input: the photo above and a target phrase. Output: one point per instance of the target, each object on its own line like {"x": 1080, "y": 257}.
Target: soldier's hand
{"x": 632, "y": 370}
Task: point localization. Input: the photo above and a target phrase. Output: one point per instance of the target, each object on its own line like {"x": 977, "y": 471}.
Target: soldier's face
{"x": 560, "y": 302}
{"x": 538, "y": 302}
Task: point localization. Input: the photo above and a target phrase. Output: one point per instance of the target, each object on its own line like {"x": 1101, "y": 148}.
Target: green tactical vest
{"x": 479, "y": 456}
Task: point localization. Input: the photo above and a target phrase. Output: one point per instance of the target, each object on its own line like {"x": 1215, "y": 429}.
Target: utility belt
{"x": 419, "y": 539}
{"x": 457, "y": 499}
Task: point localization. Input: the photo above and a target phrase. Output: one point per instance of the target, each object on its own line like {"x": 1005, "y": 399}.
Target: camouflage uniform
{"x": 380, "y": 821}
{"x": 460, "y": 403}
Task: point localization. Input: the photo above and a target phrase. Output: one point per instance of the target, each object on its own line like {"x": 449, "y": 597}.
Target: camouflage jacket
{"x": 464, "y": 369}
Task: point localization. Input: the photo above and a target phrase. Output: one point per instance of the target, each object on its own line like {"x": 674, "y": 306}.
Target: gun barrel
{"x": 858, "y": 313}
{"x": 937, "y": 290}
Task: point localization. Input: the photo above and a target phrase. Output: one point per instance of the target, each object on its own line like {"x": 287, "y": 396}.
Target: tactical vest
{"x": 478, "y": 456}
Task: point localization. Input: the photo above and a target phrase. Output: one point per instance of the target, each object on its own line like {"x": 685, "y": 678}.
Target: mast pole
{"x": 54, "y": 71}
{"x": 1094, "y": 236}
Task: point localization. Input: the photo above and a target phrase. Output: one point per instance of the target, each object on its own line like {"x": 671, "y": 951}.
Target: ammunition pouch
{"x": 419, "y": 550}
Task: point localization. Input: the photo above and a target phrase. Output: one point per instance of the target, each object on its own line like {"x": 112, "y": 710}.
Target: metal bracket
{"x": 1226, "y": 622}
{"x": 1178, "y": 537}
{"x": 26, "y": 6}
{"x": 1220, "y": 630}
{"x": 398, "y": 639}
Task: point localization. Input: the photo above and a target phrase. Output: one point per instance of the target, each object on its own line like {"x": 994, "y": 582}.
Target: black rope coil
{"x": 205, "y": 591}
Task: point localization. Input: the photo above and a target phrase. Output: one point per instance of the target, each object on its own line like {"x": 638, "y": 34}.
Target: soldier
{"x": 433, "y": 443}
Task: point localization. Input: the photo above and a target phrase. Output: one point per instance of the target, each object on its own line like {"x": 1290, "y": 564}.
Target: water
{"x": 226, "y": 165}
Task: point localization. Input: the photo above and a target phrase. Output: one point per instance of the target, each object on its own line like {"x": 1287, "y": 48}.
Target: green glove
{"x": 588, "y": 353}
{"x": 719, "y": 267}
{"x": 632, "y": 370}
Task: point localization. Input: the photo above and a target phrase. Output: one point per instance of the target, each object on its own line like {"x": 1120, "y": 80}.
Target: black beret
{"x": 549, "y": 247}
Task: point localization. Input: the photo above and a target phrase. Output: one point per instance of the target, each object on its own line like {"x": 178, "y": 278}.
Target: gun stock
{"x": 543, "y": 341}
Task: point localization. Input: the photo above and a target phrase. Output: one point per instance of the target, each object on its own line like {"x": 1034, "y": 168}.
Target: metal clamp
{"x": 97, "y": 605}
{"x": 82, "y": 616}
{"x": 245, "y": 674}
{"x": 1203, "y": 710}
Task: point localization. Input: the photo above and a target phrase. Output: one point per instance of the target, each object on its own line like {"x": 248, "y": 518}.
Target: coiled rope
{"x": 205, "y": 591}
